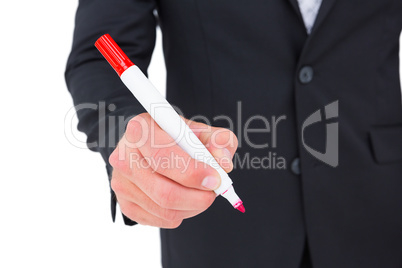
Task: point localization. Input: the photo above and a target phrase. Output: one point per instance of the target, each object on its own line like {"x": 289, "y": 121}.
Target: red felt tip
{"x": 241, "y": 208}
{"x": 113, "y": 54}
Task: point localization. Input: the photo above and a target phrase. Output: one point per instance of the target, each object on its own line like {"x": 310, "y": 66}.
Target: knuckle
{"x": 118, "y": 186}
{"x": 137, "y": 125}
{"x": 115, "y": 184}
{"x": 160, "y": 160}
{"x": 131, "y": 211}
{"x": 124, "y": 209}
{"x": 157, "y": 153}
{"x": 117, "y": 163}
{"x": 226, "y": 137}
{"x": 170, "y": 215}
{"x": 140, "y": 117}
{"x": 144, "y": 116}
{"x": 133, "y": 125}
{"x": 113, "y": 158}
{"x": 167, "y": 197}
{"x": 128, "y": 211}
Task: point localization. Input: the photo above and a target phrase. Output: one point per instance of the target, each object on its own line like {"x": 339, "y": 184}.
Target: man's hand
{"x": 157, "y": 183}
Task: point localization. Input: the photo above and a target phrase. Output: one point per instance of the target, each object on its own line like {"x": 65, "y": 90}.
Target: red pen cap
{"x": 113, "y": 54}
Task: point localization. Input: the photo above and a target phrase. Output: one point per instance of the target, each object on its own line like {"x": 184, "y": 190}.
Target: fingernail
{"x": 226, "y": 160}
{"x": 211, "y": 182}
{"x": 227, "y": 154}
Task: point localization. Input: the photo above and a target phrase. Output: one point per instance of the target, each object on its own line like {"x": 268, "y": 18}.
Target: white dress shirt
{"x": 309, "y": 10}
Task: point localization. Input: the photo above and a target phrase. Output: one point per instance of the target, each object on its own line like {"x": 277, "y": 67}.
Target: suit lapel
{"x": 325, "y": 8}
{"x": 296, "y": 8}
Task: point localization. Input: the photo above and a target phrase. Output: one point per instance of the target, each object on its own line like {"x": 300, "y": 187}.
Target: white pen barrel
{"x": 168, "y": 119}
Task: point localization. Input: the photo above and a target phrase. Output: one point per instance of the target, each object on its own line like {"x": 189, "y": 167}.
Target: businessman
{"x": 300, "y": 100}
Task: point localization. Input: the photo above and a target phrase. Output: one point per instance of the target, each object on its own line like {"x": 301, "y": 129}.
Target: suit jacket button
{"x": 306, "y": 75}
{"x": 295, "y": 166}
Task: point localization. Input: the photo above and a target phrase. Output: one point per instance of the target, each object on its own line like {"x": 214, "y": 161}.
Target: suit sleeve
{"x": 102, "y": 102}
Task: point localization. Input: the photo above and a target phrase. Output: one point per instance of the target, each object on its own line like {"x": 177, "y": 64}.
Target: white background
{"x": 54, "y": 197}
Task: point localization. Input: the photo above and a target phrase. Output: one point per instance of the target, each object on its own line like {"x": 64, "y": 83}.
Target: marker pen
{"x": 164, "y": 114}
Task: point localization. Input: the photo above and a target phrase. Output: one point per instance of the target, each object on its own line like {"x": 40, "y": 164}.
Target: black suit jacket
{"x": 224, "y": 54}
